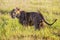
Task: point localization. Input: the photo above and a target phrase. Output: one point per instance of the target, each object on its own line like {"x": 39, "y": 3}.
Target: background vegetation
{"x": 11, "y": 29}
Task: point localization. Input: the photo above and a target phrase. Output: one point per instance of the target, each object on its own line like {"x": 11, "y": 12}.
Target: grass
{"x": 11, "y": 29}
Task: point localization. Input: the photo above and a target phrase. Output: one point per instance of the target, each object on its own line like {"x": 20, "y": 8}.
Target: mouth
{"x": 13, "y": 17}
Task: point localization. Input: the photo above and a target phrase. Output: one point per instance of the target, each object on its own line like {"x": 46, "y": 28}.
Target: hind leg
{"x": 36, "y": 24}
{"x": 41, "y": 24}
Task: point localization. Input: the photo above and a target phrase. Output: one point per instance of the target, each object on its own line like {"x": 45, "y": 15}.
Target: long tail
{"x": 51, "y": 23}
{"x": 45, "y": 21}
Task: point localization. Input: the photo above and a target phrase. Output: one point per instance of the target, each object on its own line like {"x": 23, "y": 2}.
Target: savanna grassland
{"x": 11, "y": 29}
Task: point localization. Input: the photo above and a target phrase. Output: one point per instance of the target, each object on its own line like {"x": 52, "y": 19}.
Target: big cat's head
{"x": 15, "y": 12}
